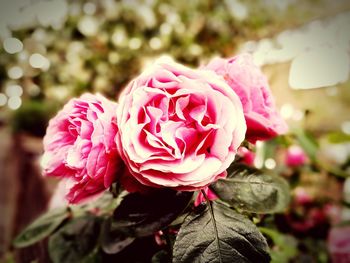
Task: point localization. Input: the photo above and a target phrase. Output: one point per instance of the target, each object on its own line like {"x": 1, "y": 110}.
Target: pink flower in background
{"x": 246, "y": 155}
{"x": 179, "y": 127}
{"x": 302, "y": 197}
{"x": 250, "y": 84}
{"x": 339, "y": 244}
{"x": 80, "y": 144}
{"x": 295, "y": 156}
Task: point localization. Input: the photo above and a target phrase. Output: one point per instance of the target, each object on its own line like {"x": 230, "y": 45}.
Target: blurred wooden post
{"x": 23, "y": 194}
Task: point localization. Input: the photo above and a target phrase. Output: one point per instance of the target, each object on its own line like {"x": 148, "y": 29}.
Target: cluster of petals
{"x": 174, "y": 127}
{"x": 80, "y": 145}
{"x": 179, "y": 127}
{"x": 248, "y": 81}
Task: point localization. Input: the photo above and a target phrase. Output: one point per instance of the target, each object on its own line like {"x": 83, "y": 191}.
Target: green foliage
{"x": 161, "y": 257}
{"x": 140, "y": 215}
{"x": 284, "y": 248}
{"x": 219, "y": 234}
{"x": 250, "y": 190}
{"x": 42, "y": 227}
{"x": 114, "y": 240}
{"x": 76, "y": 241}
{"x": 307, "y": 142}
{"x": 338, "y": 137}
{"x": 33, "y": 117}
{"x": 104, "y": 205}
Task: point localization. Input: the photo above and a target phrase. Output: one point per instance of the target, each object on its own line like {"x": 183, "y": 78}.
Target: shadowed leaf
{"x": 41, "y": 227}
{"x": 233, "y": 239}
{"x": 250, "y": 190}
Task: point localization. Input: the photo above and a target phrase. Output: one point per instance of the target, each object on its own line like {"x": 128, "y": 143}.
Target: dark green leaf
{"x": 234, "y": 238}
{"x": 161, "y": 257}
{"x": 113, "y": 241}
{"x": 144, "y": 214}
{"x": 140, "y": 215}
{"x": 76, "y": 241}
{"x": 41, "y": 227}
{"x": 248, "y": 189}
{"x": 105, "y": 204}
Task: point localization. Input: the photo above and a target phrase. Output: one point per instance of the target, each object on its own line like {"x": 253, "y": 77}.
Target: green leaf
{"x": 285, "y": 246}
{"x": 41, "y": 227}
{"x": 105, "y": 204}
{"x": 140, "y": 215}
{"x": 76, "y": 241}
{"x": 248, "y": 189}
{"x": 225, "y": 237}
{"x": 161, "y": 257}
{"x": 338, "y": 137}
{"x": 114, "y": 240}
{"x": 307, "y": 142}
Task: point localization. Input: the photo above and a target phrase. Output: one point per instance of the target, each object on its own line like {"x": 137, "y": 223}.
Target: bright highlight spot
{"x": 347, "y": 190}
{"x": 345, "y": 127}
{"x": 14, "y": 103}
{"x": 119, "y": 37}
{"x": 155, "y": 43}
{"x": 135, "y": 43}
{"x": 88, "y": 26}
{"x": 165, "y": 29}
{"x": 237, "y": 9}
{"x": 287, "y": 111}
{"x": 270, "y": 163}
{"x": 12, "y": 45}
{"x": 39, "y": 61}
{"x": 14, "y": 91}
{"x": 89, "y": 8}
{"x": 15, "y": 72}
{"x": 3, "y": 99}
{"x": 319, "y": 67}
{"x": 259, "y": 154}
{"x": 298, "y": 115}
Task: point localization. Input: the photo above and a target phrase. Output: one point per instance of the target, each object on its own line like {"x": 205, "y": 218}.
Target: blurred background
{"x": 54, "y": 50}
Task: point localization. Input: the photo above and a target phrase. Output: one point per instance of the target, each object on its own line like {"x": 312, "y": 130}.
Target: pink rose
{"x": 250, "y": 84}
{"x": 80, "y": 144}
{"x": 179, "y": 127}
{"x": 295, "y": 156}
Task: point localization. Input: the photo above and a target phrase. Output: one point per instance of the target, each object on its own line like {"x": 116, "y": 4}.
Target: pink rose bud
{"x": 179, "y": 127}
{"x": 80, "y": 145}
{"x": 339, "y": 244}
{"x": 295, "y": 156}
{"x": 246, "y": 155}
{"x": 251, "y": 85}
{"x": 302, "y": 197}
{"x": 201, "y": 199}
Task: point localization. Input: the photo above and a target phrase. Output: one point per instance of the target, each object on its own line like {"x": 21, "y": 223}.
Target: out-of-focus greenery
{"x": 99, "y": 46}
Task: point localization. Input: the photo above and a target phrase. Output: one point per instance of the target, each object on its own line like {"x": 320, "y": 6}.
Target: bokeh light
{"x": 12, "y": 45}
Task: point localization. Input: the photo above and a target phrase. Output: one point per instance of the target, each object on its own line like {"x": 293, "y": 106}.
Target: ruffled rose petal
{"x": 80, "y": 145}
{"x": 178, "y": 127}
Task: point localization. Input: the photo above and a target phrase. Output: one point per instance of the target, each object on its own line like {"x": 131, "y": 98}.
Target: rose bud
{"x": 295, "y": 156}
